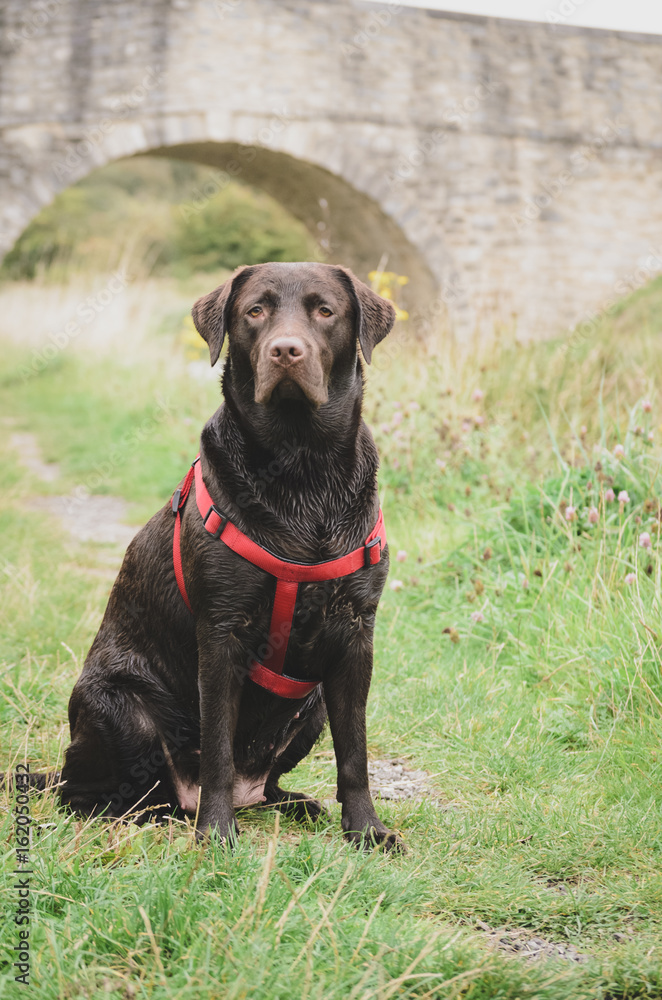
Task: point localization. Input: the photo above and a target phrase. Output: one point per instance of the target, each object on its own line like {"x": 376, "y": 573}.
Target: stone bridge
{"x": 512, "y": 170}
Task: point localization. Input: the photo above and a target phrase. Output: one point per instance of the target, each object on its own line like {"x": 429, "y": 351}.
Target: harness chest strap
{"x": 289, "y": 575}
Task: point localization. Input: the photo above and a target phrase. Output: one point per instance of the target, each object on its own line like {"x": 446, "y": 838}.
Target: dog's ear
{"x": 375, "y": 315}
{"x": 211, "y": 313}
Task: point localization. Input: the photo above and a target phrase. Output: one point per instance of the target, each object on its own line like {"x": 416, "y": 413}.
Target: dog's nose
{"x": 287, "y": 350}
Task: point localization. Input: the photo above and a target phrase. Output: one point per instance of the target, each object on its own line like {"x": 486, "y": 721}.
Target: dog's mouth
{"x": 287, "y": 389}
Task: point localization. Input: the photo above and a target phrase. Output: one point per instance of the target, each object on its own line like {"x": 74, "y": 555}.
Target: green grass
{"x": 515, "y": 664}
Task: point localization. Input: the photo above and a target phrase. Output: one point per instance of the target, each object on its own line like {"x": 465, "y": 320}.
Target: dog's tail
{"x": 39, "y": 782}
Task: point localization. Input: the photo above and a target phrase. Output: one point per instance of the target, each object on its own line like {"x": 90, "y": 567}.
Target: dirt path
{"x": 30, "y": 457}
{"x": 89, "y": 518}
{"x": 86, "y": 518}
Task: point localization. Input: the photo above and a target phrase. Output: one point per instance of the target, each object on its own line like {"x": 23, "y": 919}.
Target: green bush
{"x": 145, "y": 214}
{"x": 119, "y": 214}
{"x": 51, "y": 236}
{"x": 239, "y": 226}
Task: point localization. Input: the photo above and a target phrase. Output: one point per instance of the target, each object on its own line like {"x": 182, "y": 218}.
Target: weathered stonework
{"x": 510, "y": 168}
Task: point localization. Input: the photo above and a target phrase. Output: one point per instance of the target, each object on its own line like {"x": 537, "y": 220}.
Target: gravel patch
{"x": 522, "y": 944}
{"x": 393, "y": 780}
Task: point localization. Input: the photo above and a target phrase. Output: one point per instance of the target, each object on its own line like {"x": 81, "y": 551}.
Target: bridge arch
{"x": 514, "y": 169}
{"x": 348, "y": 224}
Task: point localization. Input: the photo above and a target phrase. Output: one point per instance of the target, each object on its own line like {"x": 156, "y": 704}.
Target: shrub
{"x": 240, "y": 226}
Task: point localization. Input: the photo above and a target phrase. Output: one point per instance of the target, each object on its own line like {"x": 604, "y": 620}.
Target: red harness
{"x": 288, "y": 575}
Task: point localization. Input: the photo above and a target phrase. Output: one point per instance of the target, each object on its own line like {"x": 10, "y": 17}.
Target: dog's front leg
{"x": 346, "y": 693}
{"x": 220, "y": 682}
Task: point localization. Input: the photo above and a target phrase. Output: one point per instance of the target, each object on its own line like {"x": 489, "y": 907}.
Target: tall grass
{"x": 517, "y": 661}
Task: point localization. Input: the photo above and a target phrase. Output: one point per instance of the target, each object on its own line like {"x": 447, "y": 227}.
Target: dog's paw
{"x": 377, "y": 836}
{"x": 299, "y": 806}
{"x": 225, "y": 835}
{"x": 394, "y": 843}
{"x": 304, "y": 810}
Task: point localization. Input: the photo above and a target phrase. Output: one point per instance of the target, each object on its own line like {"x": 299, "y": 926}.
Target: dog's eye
{"x": 325, "y": 311}
{"x": 255, "y": 311}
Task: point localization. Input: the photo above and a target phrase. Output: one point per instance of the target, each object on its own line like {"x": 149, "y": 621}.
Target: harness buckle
{"x": 223, "y": 520}
{"x": 367, "y": 550}
{"x": 176, "y": 497}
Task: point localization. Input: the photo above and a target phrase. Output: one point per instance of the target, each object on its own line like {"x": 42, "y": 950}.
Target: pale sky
{"x": 635, "y": 15}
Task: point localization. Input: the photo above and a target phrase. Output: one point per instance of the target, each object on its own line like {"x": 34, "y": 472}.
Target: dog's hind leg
{"x": 300, "y": 806}
{"x": 115, "y": 764}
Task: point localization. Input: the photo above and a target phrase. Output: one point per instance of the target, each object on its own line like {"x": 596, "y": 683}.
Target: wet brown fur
{"x": 163, "y": 698}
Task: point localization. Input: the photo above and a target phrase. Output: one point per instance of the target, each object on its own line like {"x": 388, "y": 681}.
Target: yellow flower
{"x": 193, "y": 344}
{"x": 385, "y": 284}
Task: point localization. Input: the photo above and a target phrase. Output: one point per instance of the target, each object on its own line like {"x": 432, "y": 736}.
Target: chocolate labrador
{"x": 220, "y": 656}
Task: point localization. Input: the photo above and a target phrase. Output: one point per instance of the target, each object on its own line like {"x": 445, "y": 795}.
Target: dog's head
{"x": 293, "y": 328}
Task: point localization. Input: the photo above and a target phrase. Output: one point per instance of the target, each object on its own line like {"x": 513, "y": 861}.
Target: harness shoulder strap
{"x": 177, "y": 503}
{"x": 269, "y": 674}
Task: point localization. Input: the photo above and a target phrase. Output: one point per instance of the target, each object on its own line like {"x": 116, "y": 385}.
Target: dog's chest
{"x": 268, "y": 610}
{"x": 326, "y": 616}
